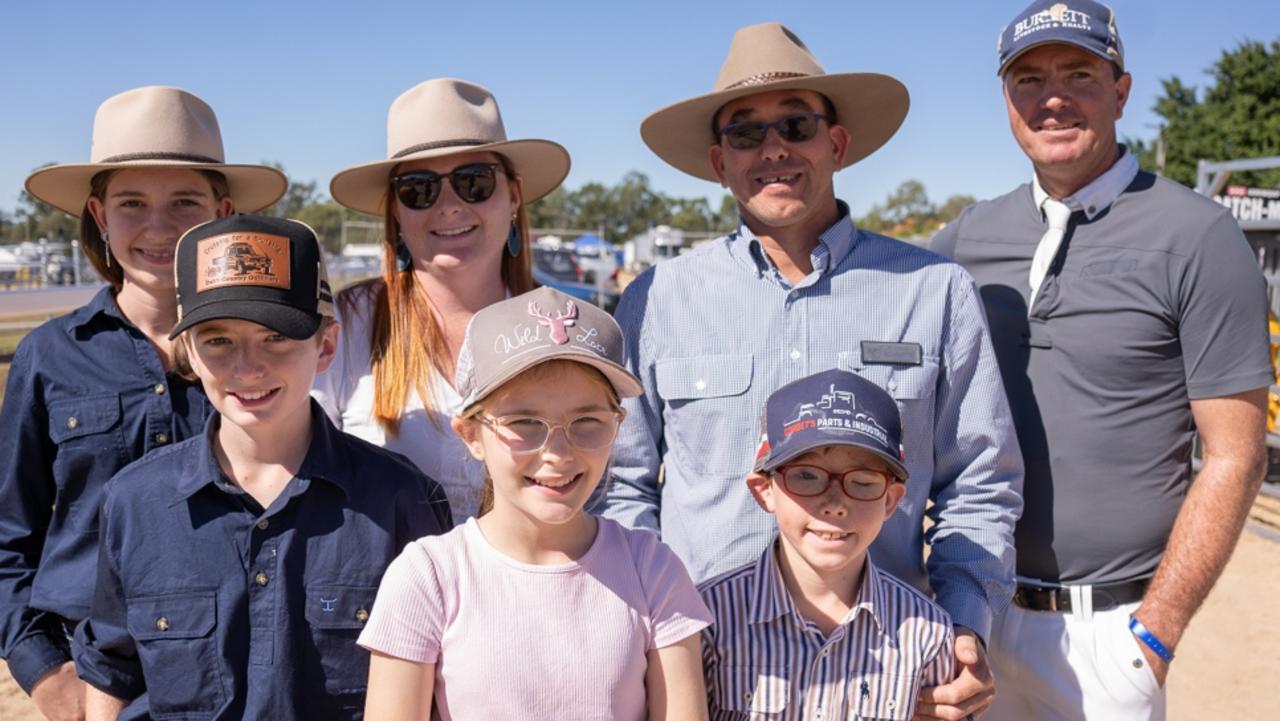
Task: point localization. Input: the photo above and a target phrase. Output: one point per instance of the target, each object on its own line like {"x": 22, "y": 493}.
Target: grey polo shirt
{"x": 1149, "y": 304}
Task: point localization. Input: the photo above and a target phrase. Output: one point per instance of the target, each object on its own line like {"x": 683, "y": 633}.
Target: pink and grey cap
{"x": 1088, "y": 25}
{"x": 831, "y": 408}
{"x": 514, "y": 335}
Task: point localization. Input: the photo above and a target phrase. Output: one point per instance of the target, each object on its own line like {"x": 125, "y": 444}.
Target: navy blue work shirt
{"x": 210, "y": 607}
{"x": 87, "y": 394}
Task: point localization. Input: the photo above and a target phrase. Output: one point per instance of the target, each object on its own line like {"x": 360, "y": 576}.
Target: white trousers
{"x": 1082, "y": 666}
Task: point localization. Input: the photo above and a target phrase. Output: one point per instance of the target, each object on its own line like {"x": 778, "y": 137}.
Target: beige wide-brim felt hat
{"x": 155, "y": 127}
{"x": 443, "y": 117}
{"x": 764, "y": 58}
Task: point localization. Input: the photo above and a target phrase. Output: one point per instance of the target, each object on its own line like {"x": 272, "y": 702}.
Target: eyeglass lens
{"x": 473, "y": 183}
{"x": 749, "y": 134}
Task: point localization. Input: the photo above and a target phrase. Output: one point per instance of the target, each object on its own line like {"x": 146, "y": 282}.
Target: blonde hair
{"x": 542, "y": 369}
{"x": 406, "y": 343}
{"x": 91, "y": 240}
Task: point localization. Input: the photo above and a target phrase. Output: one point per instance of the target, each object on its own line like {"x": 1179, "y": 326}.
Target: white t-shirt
{"x": 345, "y": 391}
{"x": 512, "y": 640}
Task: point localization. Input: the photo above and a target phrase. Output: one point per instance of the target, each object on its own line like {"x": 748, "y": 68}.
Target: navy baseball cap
{"x": 1085, "y": 24}
{"x": 258, "y": 268}
{"x": 832, "y": 408}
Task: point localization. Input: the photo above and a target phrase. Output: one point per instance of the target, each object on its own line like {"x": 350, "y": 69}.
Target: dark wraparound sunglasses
{"x": 748, "y": 134}
{"x": 473, "y": 183}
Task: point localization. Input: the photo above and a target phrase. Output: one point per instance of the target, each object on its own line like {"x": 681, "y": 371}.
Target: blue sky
{"x": 308, "y": 84}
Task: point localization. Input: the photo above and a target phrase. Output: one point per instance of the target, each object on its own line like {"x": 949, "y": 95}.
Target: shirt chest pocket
{"x": 336, "y": 615}
{"x": 749, "y": 694}
{"x": 711, "y": 411}
{"x": 86, "y": 430}
{"x": 178, "y": 650}
{"x": 884, "y": 698}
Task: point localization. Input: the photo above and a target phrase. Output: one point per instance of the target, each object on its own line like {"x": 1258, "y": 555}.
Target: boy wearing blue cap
{"x": 236, "y": 569}
{"x": 813, "y": 629}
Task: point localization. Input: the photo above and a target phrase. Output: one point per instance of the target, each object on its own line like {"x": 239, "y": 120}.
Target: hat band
{"x": 440, "y": 144}
{"x": 130, "y": 157}
{"x": 763, "y": 78}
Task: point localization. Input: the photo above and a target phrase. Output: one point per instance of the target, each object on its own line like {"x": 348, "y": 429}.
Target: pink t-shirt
{"x": 512, "y": 640}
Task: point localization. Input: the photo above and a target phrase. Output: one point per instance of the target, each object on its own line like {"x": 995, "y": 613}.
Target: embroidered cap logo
{"x": 562, "y": 320}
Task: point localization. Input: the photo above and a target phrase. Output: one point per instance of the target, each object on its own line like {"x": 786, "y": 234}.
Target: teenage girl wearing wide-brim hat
{"x": 92, "y": 391}
{"x": 452, "y": 191}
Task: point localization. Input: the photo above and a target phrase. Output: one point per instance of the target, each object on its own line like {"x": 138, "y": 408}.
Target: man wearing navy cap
{"x": 1126, "y": 312}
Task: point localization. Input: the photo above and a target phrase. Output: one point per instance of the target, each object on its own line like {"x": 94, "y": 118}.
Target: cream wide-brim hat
{"x": 155, "y": 127}
{"x": 443, "y": 117}
{"x": 764, "y": 58}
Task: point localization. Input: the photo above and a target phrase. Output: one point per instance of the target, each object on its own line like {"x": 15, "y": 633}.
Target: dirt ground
{"x": 1227, "y": 660}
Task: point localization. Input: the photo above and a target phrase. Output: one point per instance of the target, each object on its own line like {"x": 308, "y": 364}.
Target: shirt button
{"x": 893, "y": 385}
{"x": 262, "y": 525}
{"x": 260, "y": 579}
{"x": 795, "y": 354}
{"x": 362, "y": 615}
{"x": 746, "y": 696}
{"x": 162, "y": 623}
{"x": 159, "y": 389}
{"x": 700, "y": 385}
{"x": 162, "y": 437}
{"x": 72, "y": 422}
{"x": 891, "y": 704}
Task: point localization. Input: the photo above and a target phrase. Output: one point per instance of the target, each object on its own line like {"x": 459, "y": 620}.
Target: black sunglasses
{"x": 748, "y": 134}
{"x": 473, "y": 183}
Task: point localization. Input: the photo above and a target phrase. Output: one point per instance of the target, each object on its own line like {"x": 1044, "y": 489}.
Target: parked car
{"x": 560, "y": 269}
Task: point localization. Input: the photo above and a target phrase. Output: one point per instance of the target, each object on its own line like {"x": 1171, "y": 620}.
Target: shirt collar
{"x": 103, "y": 303}
{"x": 834, "y": 245}
{"x": 772, "y": 599}
{"x": 1101, "y": 192}
{"x": 327, "y": 458}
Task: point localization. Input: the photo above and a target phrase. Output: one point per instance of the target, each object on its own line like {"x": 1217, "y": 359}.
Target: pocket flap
{"x": 339, "y": 606}
{"x": 179, "y": 615}
{"x": 703, "y": 376}
{"x": 884, "y": 697}
{"x": 74, "y": 417}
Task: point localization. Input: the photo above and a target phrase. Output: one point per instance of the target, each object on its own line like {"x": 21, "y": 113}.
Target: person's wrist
{"x": 1150, "y": 640}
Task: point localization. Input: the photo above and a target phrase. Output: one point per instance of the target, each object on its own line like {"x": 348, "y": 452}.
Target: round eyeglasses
{"x": 860, "y": 484}
{"x": 529, "y": 434}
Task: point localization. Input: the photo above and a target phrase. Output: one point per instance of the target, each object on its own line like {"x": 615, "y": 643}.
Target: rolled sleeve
{"x": 977, "y": 484}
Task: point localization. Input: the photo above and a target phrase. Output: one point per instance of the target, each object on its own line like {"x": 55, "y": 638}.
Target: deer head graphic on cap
{"x": 562, "y": 320}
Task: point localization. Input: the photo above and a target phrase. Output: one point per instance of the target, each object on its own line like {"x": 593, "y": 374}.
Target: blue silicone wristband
{"x": 1150, "y": 639}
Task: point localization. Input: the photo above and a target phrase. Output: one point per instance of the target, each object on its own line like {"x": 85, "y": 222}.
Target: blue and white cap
{"x": 832, "y": 408}
{"x": 1085, "y": 24}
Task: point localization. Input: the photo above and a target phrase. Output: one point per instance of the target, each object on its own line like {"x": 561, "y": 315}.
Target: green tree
{"x": 298, "y": 196}
{"x": 35, "y": 220}
{"x": 726, "y": 220}
{"x": 952, "y": 207}
{"x": 906, "y": 212}
{"x": 1236, "y": 117}
{"x": 325, "y": 219}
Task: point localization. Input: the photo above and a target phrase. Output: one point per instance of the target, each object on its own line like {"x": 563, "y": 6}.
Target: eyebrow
{"x": 185, "y": 193}
{"x": 793, "y": 103}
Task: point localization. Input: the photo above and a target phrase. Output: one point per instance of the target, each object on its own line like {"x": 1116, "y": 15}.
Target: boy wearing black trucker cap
{"x": 237, "y": 568}
{"x": 813, "y": 629}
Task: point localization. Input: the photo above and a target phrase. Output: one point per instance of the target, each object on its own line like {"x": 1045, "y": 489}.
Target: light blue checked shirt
{"x": 713, "y": 332}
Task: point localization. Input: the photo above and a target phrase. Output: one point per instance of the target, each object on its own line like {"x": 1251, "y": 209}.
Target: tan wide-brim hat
{"x": 155, "y": 127}
{"x": 443, "y": 117}
{"x": 768, "y": 57}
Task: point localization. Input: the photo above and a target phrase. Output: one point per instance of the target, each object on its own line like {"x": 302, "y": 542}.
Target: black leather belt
{"x": 1058, "y": 598}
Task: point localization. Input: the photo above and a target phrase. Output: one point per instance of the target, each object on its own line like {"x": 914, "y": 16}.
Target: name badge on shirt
{"x": 907, "y": 354}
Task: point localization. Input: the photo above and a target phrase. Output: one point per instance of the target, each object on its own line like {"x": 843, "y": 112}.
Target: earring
{"x": 514, "y": 241}
{"x": 106, "y": 249}
{"x": 404, "y": 260}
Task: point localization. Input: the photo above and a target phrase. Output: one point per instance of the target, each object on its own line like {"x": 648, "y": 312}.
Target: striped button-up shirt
{"x": 763, "y": 660}
{"x": 712, "y": 333}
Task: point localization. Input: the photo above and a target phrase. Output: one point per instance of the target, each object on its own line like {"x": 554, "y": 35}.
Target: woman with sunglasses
{"x": 94, "y": 390}
{"x": 452, "y": 192}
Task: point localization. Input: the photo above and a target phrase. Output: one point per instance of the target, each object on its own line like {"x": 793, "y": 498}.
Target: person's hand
{"x": 972, "y": 691}
{"x": 59, "y": 694}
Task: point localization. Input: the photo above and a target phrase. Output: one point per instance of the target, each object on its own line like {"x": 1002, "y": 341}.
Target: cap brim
{"x": 541, "y": 164}
{"x": 1055, "y": 41}
{"x": 624, "y": 383}
{"x": 773, "y": 460}
{"x": 66, "y": 187}
{"x": 284, "y": 319}
{"x": 870, "y": 105}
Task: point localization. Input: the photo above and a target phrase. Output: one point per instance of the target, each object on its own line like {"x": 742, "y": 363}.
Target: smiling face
{"x": 145, "y": 211}
{"x": 455, "y": 235}
{"x": 827, "y": 536}
{"x": 256, "y": 378}
{"x": 548, "y": 487}
{"x": 781, "y": 184}
{"x": 1063, "y": 104}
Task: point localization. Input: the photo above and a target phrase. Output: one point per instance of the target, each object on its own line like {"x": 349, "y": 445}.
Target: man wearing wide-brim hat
{"x": 1128, "y": 313}
{"x": 795, "y": 290}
